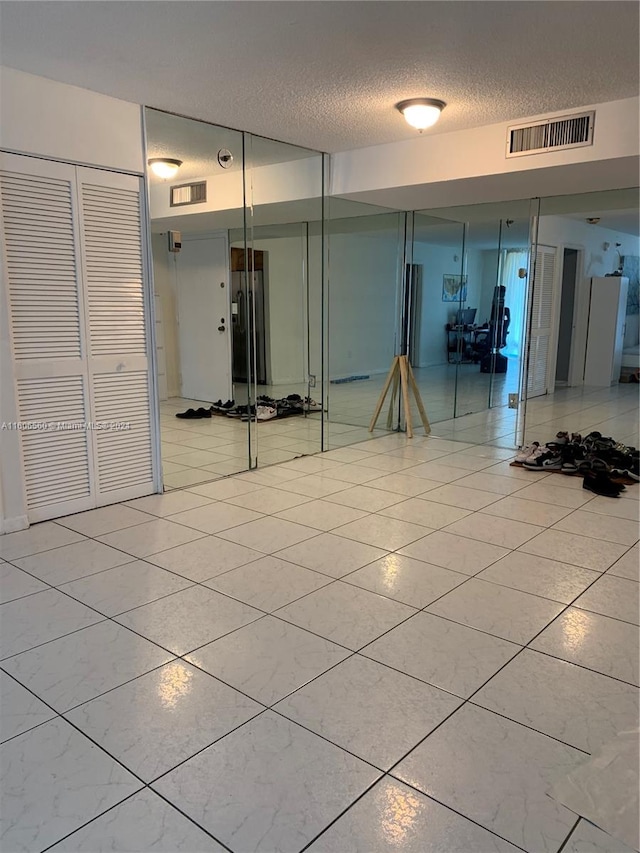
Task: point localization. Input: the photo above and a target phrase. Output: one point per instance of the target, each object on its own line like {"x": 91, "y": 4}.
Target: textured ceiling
{"x": 327, "y": 74}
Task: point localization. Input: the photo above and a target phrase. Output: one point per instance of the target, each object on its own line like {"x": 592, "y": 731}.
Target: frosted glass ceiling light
{"x": 164, "y": 167}
{"x": 421, "y": 112}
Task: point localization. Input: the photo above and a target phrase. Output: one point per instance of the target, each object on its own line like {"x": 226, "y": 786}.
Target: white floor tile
{"x": 495, "y": 531}
{"x": 439, "y": 471}
{"x": 151, "y": 537}
{"x": 574, "y": 549}
{"x": 144, "y": 822}
{"x": 596, "y": 526}
{"x": 459, "y": 659}
{"x": 597, "y": 642}
{"x": 366, "y": 498}
{"x": 270, "y": 784}
{"x": 629, "y": 509}
{"x": 96, "y": 522}
{"x": 403, "y": 484}
{"x": 387, "y": 533}
{"x": 168, "y": 503}
{"x": 628, "y": 566}
{"x": 461, "y": 496}
{"x": 188, "y": 619}
{"x": 575, "y": 705}
{"x": 204, "y": 558}
{"x": 39, "y": 618}
{"x": 54, "y": 781}
{"x": 345, "y": 614}
{"x": 268, "y": 583}
{"x": 540, "y": 576}
{"x": 497, "y": 773}
{"x": 612, "y": 596}
{"x": 20, "y": 710}
{"x": 531, "y": 512}
{"x": 369, "y": 709}
{"x": 314, "y": 486}
{"x": 548, "y": 492}
{"x": 321, "y": 514}
{"x": 125, "y": 587}
{"x": 393, "y": 816}
{"x": 14, "y": 583}
{"x": 61, "y": 565}
{"x": 269, "y": 534}
{"x": 454, "y": 552}
{"x": 215, "y": 517}
{"x": 494, "y": 483}
{"x": 425, "y": 512}
{"x": 40, "y": 537}
{"x": 221, "y": 489}
{"x": 155, "y": 722}
{"x": 587, "y": 838}
{"x": 268, "y": 500}
{"x": 268, "y": 658}
{"x": 80, "y": 666}
{"x": 406, "y": 580}
{"x": 332, "y": 555}
{"x": 498, "y": 610}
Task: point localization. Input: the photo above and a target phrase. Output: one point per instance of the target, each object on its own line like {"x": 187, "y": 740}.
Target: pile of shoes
{"x": 606, "y": 466}
{"x": 266, "y": 408}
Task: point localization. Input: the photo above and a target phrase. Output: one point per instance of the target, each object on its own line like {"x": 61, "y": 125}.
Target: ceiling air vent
{"x": 188, "y": 194}
{"x": 551, "y": 134}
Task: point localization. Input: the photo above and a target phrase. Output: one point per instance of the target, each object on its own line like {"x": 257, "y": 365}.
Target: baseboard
{"x": 12, "y": 525}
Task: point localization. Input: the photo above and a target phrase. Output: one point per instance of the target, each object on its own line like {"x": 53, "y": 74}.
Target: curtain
{"x": 515, "y": 296}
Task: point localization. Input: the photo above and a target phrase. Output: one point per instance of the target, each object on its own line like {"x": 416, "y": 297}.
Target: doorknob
{"x": 222, "y": 328}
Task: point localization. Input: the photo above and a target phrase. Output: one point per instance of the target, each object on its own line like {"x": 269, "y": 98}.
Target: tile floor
{"x": 398, "y": 646}
{"x": 199, "y": 451}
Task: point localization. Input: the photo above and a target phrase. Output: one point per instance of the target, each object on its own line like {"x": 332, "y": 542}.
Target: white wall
{"x": 438, "y": 261}
{"x": 480, "y": 152}
{"x": 563, "y": 232}
{"x": 47, "y": 119}
{"x": 50, "y": 119}
{"x": 363, "y": 272}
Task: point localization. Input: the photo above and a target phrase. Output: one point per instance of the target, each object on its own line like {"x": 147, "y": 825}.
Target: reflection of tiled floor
{"x": 202, "y": 450}
{"x": 398, "y": 646}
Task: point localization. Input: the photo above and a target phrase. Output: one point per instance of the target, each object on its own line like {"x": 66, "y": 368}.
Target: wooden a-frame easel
{"x": 401, "y": 375}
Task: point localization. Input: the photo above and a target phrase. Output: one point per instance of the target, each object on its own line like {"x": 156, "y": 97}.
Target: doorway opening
{"x": 567, "y": 313}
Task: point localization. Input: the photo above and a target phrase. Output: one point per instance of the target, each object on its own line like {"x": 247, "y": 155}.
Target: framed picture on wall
{"x": 454, "y": 288}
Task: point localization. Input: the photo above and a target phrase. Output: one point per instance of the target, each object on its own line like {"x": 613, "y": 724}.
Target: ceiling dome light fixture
{"x": 421, "y": 112}
{"x": 164, "y": 167}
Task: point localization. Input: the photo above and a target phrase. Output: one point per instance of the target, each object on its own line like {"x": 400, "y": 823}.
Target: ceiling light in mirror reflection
{"x": 575, "y": 628}
{"x": 175, "y": 683}
{"x": 391, "y": 567}
{"x": 399, "y": 809}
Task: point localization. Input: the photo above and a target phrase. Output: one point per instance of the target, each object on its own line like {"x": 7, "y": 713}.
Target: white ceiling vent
{"x": 188, "y": 194}
{"x": 551, "y": 134}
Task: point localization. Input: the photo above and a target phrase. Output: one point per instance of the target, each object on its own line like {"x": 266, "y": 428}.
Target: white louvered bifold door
{"x": 113, "y": 268}
{"x": 541, "y": 321}
{"x": 39, "y": 219}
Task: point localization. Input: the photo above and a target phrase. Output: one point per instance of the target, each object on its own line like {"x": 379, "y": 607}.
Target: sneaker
{"x": 548, "y": 460}
{"x": 266, "y": 413}
{"x": 311, "y": 405}
{"x": 526, "y": 452}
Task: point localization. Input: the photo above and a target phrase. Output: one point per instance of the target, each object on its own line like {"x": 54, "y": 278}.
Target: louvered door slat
{"x": 114, "y": 271}
{"x": 124, "y": 456}
{"x": 32, "y": 203}
{"x": 56, "y": 456}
